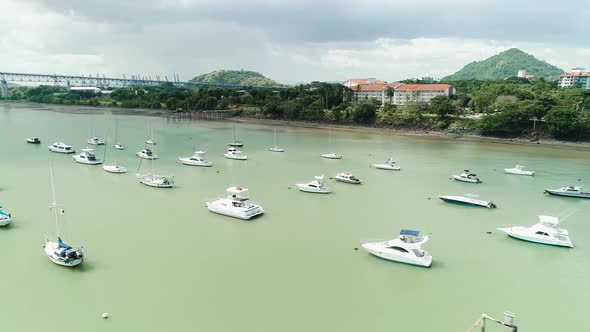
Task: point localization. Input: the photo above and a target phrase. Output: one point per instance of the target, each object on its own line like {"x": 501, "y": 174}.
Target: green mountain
{"x": 503, "y": 65}
{"x": 242, "y": 77}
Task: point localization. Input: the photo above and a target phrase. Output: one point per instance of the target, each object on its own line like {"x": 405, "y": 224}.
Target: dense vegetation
{"x": 503, "y": 65}
{"x": 238, "y": 77}
{"x": 504, "y": 108}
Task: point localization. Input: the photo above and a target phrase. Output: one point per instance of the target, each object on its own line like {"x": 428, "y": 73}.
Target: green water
{"x": 157, "y": 260}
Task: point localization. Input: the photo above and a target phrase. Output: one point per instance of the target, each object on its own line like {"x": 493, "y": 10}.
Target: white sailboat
{"x": 112, "y": 167}
{"x": 59, "y": 252}
{"x": 117, "y": 145}
{"x": 276, "y": 148}
{"x": 152, "y": 179}
{"x": 150, "y": 140}
{"x": 331, "y": 155}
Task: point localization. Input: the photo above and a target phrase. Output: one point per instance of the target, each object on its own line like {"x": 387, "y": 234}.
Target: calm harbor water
{"x": 157, "y": 260}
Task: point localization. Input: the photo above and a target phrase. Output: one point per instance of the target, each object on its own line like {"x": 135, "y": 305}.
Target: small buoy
{"x": 217, "y": 171}
{"x": 428, "y": 197}
{"x": 105, "y": 315}
{"x": 579, "y": 179}
{"x": 356, "y": 248}
{"x": 289, "y": 187}
{"x": 494, "y": 169}
{"x": 488, "y": 232}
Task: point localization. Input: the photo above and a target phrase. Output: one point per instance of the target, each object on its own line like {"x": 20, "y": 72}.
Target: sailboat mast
{"x": 54, "y": 204}
{"x": 116, "y": 130}
{"x": 106, "y": 146}
{"x": 330, "y": 140}
{"x": 234, "y": 133}
{"x": 275, "y": 134}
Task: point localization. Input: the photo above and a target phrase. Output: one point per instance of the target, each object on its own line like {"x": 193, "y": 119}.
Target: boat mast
{"x": 329, "y": 140}
{"x": 116, "y": 130}
{"x": 235, "y": 133}
{"x": 275, "y": 135}
{"x": 106, "y": 147}
{"x": 54, "y": 204}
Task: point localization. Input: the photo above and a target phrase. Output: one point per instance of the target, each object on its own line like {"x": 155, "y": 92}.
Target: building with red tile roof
{"x": 576, "y": 77}
{"x": 402, "y": 93}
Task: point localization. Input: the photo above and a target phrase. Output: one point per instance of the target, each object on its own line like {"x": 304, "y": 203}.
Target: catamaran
{"x": 59, "y": 252}
{"x": 276, "y": 148}
{"x": 330, "y": 155}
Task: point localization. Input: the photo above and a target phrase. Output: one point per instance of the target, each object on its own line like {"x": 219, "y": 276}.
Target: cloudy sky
{"x": 288, "y": 40}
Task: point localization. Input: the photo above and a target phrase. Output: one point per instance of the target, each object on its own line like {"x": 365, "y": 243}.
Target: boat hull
{"x": 52, "y": 149}
{"x": 33, "y": 142}
{"x": 462, "y": 179}
{"x": 564, "y": 194}
{"x": 277, "y": 149}
{"x": 87, "y": 162}
{"x": 387, "y": 167}
{"x": 115, "y": 169}
{"x": 119, "y": 147}
{"x": 5, "y": 221}
{"x": 473, "y": 202}
{"x": 528, "y": 238}
{"x": 50, "y": 248}
{"x": 343, "y": 180}
{"x": 516, "y": 172}
{"x": 234, "y": 157}
{"x": 331, "y": 156}
{"x": 392, "y": 257}
{"x": 240, "y": 214}
{"x": 188, "y": 162}
{"x": 307, "y": 189}
{"x": 145, "y": 156}
{"x": 155, "y": 184}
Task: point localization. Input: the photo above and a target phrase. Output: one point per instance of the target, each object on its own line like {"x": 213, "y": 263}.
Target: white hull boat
{"x": 157, "y": 181}
{"x": 276, "y": 148}
{"x": 347, "y": 178}
{"x": 150, "y": 142}
{"x": 95, "y": 141}
{"x": 62, "y": 254}
{"x": 571, "y": 191}
{"x": 546, "y": 231}
{"x": 467, "y": 201}
{"x": 235, "y": 154}
{"x": 467, "y": 177}
{"x": 147, "y": 154}
{"x": 197, "y": 160}
{"x": 519, "y": 170}
{"x": 119, "y": 147}
{"x": 60, "y": 147}
{"x": 236, "y": 205}
{"x": 117, "y": 169}
{"x": 87, "y": 157}
{"x": 388, "y": 165}
{"x": 33, "y": 140}
{"x": 331, "y": 156}
{"x": 5, "y": 218}
{"x": 405, "y": 249}
{"x": 314, "y": 186}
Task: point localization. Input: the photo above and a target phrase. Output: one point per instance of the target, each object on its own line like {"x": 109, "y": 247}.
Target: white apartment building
{"x": 402, "y": 93}
{"x": 576, "y": 77}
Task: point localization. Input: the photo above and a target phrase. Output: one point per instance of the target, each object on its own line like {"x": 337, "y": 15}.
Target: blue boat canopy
{"x": 409, "y": 232}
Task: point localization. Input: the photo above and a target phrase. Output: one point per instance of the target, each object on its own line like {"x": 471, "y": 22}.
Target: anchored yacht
{"x": 33, "y": 140}
{"x": 95, "y": 141}
{"x": 198, "y": 159}
{"x": 87, "y": 156}
{"x": 389, "y": 165}
{"x": 236, "y": 205}
{"x": 314, "y": 186}
{"x": 347, "y": 177}
{"x": 5, "y": 217}
{"x": 570, "y": 191}
{"x": 546, "y": 231}
{"x": 60, "y": 147}
{"x": 466, "y": 176}
{"x": 233, "y": 153}
{"x": 467, "y": 201}
{"x": 519, "y": 170}
{"x": 405, "y": 249}
{"x": 147, "y": 153}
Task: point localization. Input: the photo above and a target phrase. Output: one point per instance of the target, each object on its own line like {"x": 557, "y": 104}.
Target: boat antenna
{"x": 54, "y": 204}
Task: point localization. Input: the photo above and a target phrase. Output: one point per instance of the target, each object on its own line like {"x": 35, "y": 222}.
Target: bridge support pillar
{"x": 4, "y": 88}
{"x": 68, "y": 84}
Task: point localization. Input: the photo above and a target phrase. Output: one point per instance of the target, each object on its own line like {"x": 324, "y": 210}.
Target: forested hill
{"x": 503, "y": 65}
{"x": 240, "y": 77}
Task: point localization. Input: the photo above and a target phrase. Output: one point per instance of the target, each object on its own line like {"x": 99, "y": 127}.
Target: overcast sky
{"x": 287, "y": 40}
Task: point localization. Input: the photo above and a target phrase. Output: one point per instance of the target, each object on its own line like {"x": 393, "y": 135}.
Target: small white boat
{"x": 467, "y": 201}
{"x": 467, "y": 177}
{"x": 233, "y": 153}
{"x": 570, "y": 191}
{"x": 405, "y": 249}
{"x": 276, "y": 148}
{"x": 347, "y": 178}
{"x": 60, "y": 147}
{"x": 198, "y": 159}
{"x": 519, "y": 170}
{"x": 5, "y": 217}
{"x": 119, "y": 146}
{"x": 87, "y": 156}
{"x": 156, "y": 181}
{"x": 95, "y": 141}
{"x": 314, "y": 186}
{"x": 236, "y": 205}
{"x": 546, "y": 231}
{"x": 115, "y": 168}
{"x": 150, "y": 142}
{"x": 388, "y": 165}
{"x": 33, "y": 140}
{"x": 147, "y": 153}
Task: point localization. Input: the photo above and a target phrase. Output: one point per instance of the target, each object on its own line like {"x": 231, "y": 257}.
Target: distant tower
{"x": 522, "y": 73}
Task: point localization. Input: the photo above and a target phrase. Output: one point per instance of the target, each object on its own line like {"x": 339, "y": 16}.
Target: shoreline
{"x": 415, "y": 133}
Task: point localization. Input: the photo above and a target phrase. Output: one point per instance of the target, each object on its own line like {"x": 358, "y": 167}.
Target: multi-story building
{"x": 576, "y": 77}
{"x": 402, "y": 93}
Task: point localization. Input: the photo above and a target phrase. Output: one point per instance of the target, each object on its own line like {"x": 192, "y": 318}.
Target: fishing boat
{"x": 467, "y": 201}
{"x": 198, "y": 159}
{"x": 33, "y": 140}
{"x": 330, "y": 155}
{"x": 58, "y": 251}
{"x": 347, "y": 177}
{"x": 5, "y": 217}
{"x": 389, "y": 165}
{"x": 519, "y": 170}
{"x": 152, "y": 179}
{"x": 87, "y": 156}
{"x": 233, "y": 153}
{"x": 112, "y": 167}
{"x": 276, "y": 148}
{"x": 546, "y": 231}
{"x": 407, "y": 248}
{"x": 117, "y": 145}
{"x": 236, "y": 205}
{"x": 569, "y": 191}
{"x": 314, "y": 186}
{"x": 60, "y": 147}
{"x": 95, "y": 141}
{"x": 147, "y": 153}
{"x": 468, "y": 177}
{"x": 236, "y": 143}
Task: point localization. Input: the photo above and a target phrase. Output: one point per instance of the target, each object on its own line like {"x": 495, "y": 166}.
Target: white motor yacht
{"x": 466, "y": 176}
{"x": 347, "y": 178}
{"x": 519, "y": 170}
{"x": 405, "y": 249}
{"x": 314, "y": 186}
{"x": 147, "y": 153}
{"x": 388, "y": 165}
{"x": 95, "y": 141}
{"x": 233, "y": 153}
{"x": 546, "y": 231}
{"x": 60, "y": 147}
{"x": 87, "y": 156}
{"x": 570, "y": 191}
{"x": 236, "y": 205}
{"x": 34, "y": 140}
{"x": 5, "y": 217}
{"x": 198, "y": 159}
{"x": 119, "y": 146}
{"x": 467, "y": 201}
